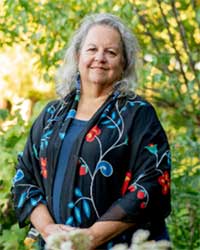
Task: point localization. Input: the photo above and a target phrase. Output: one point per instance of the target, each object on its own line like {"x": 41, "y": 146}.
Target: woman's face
{"x": 101, "y": 60}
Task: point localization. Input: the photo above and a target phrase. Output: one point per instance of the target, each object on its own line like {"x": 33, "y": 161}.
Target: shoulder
{"x": 137, "y": 102}
{"x": 47, "y": 112}
{"x": 50, "y": 108}
{"x": 139, "y": 110}
{"x": 143, "y": 116}
{"x": 55, "y": 108}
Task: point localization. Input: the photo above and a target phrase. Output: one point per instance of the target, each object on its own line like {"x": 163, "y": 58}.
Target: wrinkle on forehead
{"x": 94, "y": 36}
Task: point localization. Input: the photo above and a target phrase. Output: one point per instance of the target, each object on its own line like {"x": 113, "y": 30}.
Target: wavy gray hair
{"x": 67, "y": 73}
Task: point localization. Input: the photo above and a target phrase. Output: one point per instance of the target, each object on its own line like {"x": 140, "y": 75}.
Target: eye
{"x": 111, "y": 52}
{"x": 91, "y": 49}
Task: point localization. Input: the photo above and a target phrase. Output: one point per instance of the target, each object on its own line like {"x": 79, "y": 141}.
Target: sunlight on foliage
{"x": 33, "y": 38}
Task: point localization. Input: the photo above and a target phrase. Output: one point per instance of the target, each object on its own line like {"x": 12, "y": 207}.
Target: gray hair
{"x": 67, "y": 73}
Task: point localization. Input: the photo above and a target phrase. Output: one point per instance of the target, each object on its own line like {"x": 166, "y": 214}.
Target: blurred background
{"x": 33, "y": 38}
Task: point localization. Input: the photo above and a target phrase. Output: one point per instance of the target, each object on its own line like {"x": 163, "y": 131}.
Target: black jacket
{"x": 119, "y": 169}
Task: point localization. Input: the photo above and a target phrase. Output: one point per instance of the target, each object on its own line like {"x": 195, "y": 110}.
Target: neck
{"x": 90, "y": 101}
{"x": 96, "y": 92}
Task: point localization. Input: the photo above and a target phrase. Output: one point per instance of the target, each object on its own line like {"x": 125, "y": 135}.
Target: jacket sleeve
{"x": 27, "y": 189}
{"x": 146, "y": 188}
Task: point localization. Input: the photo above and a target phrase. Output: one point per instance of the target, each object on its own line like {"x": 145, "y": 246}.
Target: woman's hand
{"x": 44, "y": 223}
{"x": 53, "y": 228}
{"x": 102, "y": 231}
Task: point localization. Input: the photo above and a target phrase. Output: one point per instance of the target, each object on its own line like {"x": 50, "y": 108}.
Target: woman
{"x": 98, "y": 158}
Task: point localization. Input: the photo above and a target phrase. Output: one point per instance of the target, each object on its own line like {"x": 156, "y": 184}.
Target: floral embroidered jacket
{"x": 119, "y": 167}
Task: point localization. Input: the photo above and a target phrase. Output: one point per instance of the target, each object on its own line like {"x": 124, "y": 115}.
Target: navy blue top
{"x": 73, "y": 132}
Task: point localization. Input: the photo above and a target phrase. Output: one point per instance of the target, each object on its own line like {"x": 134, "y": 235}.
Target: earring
{"x": 78, "y": 81}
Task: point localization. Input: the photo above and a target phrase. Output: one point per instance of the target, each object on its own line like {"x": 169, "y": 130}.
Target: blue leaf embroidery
{"x": 47, "y": 134}
{"x": 106, "y": 122}
{"x": 123, "y": 109}
{"x": 71, "y": 113}
{"x": 169, "y": 158}
{"x": 34, "y": 202}
{"x": 51, "y": 110}
{"x": 103, "y": 115}
{"x": 20, "y": 154}
{"x": 45, "y": 137}
{"x": 109, "y": 245}
{"x": 119, "y": 122}
{"x": 137, "y": 102}
{"x": 61, "y": 135}
{"x": 113, "y": 115}
{"x": 71, "y": 204}
{"x": 126, "y": 140}
{"x": 21, "y": 200}
{"x": 86, "y": 208}
{"x": 132, "y": 104}
{"x": 152, "y": 148}
{"x": 110, "y": 126}
{"x": 77, "y": 214}
{"x": 78, "y": 192}
{"x": 18, "y": 176}
{"x": 69, "y": 221}
{"x": 105, "y": 168}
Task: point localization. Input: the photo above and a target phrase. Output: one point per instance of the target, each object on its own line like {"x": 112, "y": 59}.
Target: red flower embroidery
{"x": 126, "y": 182}
{"x": 164, "y": 181}
{"x": 82, "y": 170}
{"x": 43, "y": 162}
{"x": 143, "y": 205}
{"x": 132, "y": 188}
{"x": 140, "y": 194}
{"x": 93, "y": 133}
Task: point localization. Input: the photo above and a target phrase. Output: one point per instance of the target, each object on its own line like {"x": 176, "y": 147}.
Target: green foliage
{"x": 169, "y": 35}
{"x": 184, "y": 220}
{"x": 3, "y": 114}
{"x": 12, "y": 139}
{"x": 185, "y": 217}
{"x": 12, "y": 238}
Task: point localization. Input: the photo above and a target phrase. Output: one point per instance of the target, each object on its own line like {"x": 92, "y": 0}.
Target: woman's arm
{"x": 41, "y": 220}
{"x": 103, "y": 231}
{"x": 44, "y": 223}
{"x": 147, "y": 194}
{"x": 100, "y": 232}
{"x": 28, "y": 187}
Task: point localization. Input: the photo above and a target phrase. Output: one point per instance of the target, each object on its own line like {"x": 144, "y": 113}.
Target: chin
{"x": 102, "y": 83}
{"x": 99, "y": 81}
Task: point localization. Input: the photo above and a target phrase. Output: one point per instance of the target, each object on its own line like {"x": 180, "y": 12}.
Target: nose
{"x": 100, "y": 56}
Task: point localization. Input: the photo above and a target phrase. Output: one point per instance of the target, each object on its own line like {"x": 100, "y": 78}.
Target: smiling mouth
{"x": 99, "y": 68}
